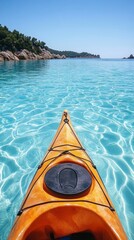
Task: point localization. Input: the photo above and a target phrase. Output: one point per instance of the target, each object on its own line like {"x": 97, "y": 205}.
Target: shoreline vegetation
{"x": 15, "y": 46}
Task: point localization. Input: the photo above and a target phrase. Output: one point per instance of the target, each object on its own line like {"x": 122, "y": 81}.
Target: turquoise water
{"x": 99, "y": 95}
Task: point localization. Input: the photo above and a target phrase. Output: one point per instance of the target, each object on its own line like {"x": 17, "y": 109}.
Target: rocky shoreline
{"x": 27, "y": 55}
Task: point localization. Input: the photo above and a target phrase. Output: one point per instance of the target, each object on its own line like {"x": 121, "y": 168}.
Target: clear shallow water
{"x": 99, "y": 95}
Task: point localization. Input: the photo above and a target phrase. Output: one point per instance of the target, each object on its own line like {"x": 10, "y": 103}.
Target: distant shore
{"x": 45, "y": 54}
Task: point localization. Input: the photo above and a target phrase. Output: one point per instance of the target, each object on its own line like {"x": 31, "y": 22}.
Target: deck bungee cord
{"x": 64, "y": 152}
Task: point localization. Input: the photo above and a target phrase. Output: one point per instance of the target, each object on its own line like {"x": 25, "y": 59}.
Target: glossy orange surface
{"x": 45, "y": 213}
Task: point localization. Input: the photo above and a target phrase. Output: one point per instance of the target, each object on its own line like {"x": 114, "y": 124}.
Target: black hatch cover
{"x": 68, "y": 179}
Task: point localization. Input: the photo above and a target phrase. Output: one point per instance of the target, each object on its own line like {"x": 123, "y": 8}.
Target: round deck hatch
{"x": 68, "y": 179}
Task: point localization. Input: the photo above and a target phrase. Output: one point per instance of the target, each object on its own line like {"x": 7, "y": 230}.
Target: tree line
{"x": 16, "y": 41}
{"x": 72, "y": 54}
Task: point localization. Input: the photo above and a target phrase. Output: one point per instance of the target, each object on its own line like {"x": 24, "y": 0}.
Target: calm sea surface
{"x": 99, "y": 95}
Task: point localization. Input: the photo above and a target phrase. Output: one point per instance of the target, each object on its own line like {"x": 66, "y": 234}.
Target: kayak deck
{"x": 67, "y": 198}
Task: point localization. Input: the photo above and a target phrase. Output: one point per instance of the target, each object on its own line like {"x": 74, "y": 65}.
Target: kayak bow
{"x": 67, "y": 198}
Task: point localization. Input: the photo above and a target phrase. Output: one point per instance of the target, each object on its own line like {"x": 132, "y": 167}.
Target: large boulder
{"x": 1, "y": 58}
{"x": 12, "y": 56}
{"x": 8, "y": 56}
{"x": 5, "y": 55}
{"x": 23, "y": 55}
{"x": 57, "y": 56}
{"x": 45, "y": 55}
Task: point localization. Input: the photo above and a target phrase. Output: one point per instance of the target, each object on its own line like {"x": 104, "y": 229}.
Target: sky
{"x": 104, "y": 27}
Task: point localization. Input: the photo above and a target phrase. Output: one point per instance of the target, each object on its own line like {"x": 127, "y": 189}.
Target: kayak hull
{"x": 52, "y": 214}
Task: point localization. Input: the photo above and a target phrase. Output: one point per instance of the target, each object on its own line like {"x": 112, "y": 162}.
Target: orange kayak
{"x": 67, "y": 199}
